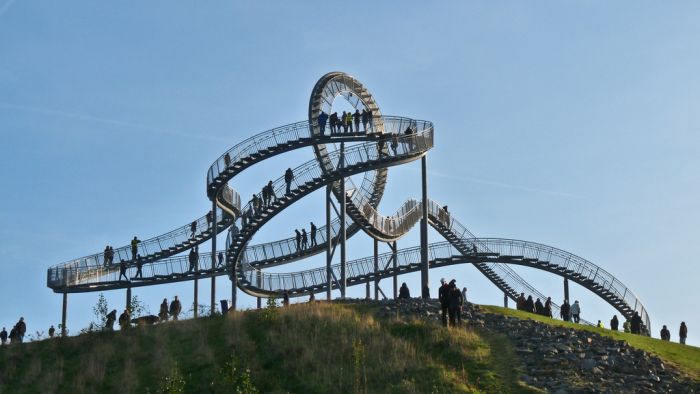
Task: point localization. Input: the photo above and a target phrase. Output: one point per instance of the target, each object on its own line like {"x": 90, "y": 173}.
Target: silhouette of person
{"x": 298, "y": 239}
{"x": 134, "y": 246}
{"x": 139, "y": 265}
{"x": 322, "y": 118}
{"x": 122, "y": 270}
{"x": 313, "y": 234}
{"x": 304, "y": 239}
{"x": 288, "y": 178}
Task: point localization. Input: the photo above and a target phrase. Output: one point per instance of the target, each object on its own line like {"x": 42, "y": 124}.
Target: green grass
{"x": 306, "y": 348}
{"x": 686, "y": 358}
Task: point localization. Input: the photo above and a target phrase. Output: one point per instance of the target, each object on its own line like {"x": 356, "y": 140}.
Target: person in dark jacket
{"x": 139, "y": 266}
{"x": 636, "y": 324}
{"x": 683, "y": 333}
{"x": 288, "y": 178}
{"x": 125, "y": 320}
{"x": 134, "y": 247}
{"x": 122, "y": 270}
{"x": 443, "y": 294}
{"x": 13, "y": 335}
{"x": 21, "y": 327}
{"x": 539, "y": 308}
{"x": 285, "y": 298}
{"x": 313, "y": 234}
{"x": 334, "y": 122}
{"x": 193, "y": 228}
{"x": 565, "y": 311}
{"x": 111, "y": 318}
{"x": 665, "y": 334}
{"x": 163, "y": 313}
{"x": 404, "y": 292}
{"x": 520, "y": 302}
{"x": 365, "y": 119}
{"x": 52, "y": 331}
{"x": 3, "y": 336}
{"x": 455, "y": 304}
{"x": 614, "y": 323}
{"x": 175, "y": 308}
{"x": 297, "y": 237}
{"x": 322, "y": 118}
{"x": 356, "y": 118}
{"x": 529, "y": 305}
{"x": 193, "y": 259}
{"x": 304, "y": 239}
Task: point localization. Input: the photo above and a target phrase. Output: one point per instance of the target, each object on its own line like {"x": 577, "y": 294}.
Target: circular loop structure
{"x": 386, "y": 141}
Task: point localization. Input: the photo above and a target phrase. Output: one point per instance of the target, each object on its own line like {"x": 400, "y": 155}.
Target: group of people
{"x": 451, "y": 302}
{"x": 16, "y": 334}
{"x": 302, "y": 238}
{"x": 344, "y": 123}
{"x": 528, "y": 305}
{"x": 682, "y": 333}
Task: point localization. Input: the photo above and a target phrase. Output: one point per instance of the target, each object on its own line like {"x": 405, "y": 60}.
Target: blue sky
{"x": 573, "y": 124}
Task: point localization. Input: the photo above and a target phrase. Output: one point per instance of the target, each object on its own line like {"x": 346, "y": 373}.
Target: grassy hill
{"x": 309, "y": 348}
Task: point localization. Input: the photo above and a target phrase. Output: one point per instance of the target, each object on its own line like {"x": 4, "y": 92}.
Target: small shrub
{"x": 173, "y": 383}
{"x": 233, "y": 378}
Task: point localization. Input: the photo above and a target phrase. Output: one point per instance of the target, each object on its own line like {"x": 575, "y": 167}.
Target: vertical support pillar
{"x": 505, "y": 300}
{"x": 343, "y": 234}
{"x": 213, "y": 256}
{"x": 234, "y": 290}
{"x": 128, "y": 299}
{"x": 367, "y": 296}
{"x": 329, "y": 244}
{"x": 258, "y": 278}
{"x": 424, "y": 280}
{"x": 196, "y": 297}
{"x": 395, "y": 265}
{"x": 63, "y": 315}
{"x": 566, "y": 289}
{"x": 376, "y": 270}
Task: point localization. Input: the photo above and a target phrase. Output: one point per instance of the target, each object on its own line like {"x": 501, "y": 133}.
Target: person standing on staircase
{"x": 271, "y": 192}
{"x": 193, "y": 258}
{"x": 322, "y": 118}
{"x": 288, "y": 178}
{"x": 122, "y": 270}
{"x": 209, "y": 219}
{"x": 334, "y": 122}
{"x": 356, "y": 118}
{"x": 265, "y": 197}
{"x": 304, "y": 239}
{"x": 193, "y": 228}
{"x": 443, "y": 297}
{"x": 313, "y": 234}
{"x": 134, "y": 247}
{"x": 365, "y": 120}
{"x": 348, "y": 118}
{"x": 344, "y": 122}
{"x": 298, "y": 239}
{"x": 139, "y": 266}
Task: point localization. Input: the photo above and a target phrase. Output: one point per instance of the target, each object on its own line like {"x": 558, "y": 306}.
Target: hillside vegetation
{"x": 310, "y": 348}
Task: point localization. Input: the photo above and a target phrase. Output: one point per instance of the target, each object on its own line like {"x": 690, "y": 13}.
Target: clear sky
{"x": 574, "y": 124}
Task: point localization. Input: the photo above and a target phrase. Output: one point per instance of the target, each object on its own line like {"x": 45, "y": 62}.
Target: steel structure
{"x": 386, "y": 141}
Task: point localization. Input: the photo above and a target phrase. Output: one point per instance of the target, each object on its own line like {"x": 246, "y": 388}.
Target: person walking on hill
{"x": 443, "y": 297}
{"x": 298, "y": 239}
{"x": 356, "y": 118}
{"x": 285, "y": 299}
{"x": 548, "y": 307}
{"x": 134, "y": 246}
{"x": 111, "y": 318}
{"x": 636, "y": 324}
{"x": 52, "y": 331}
{"x": 175, "y": 308}
{"x": 21, "y": 328}
{"x": 539, "y": 308}
{"x": 125, "y": 320}
{"x": 312, "y": 234}
{"x": 163, "y": 313}
{"x": 288, "y": 178}
{"x": 665, "y": 334}
{"x": 529, "y": 305}
{"x": 13, "y": 335}
{"x": 322, "y": 118}
{"x": 455, "y": 305}
{"x": 614, "y": 323}
{"x": 683, "y": 333}
{"x": 520, "y": 302}
{"x": 3, "y": 336}
{"x": 122, "y": 270}
{"x": 600, "y": 324}
{"x": 576, "y": 311}
{"x": 404, "y": 292}
{"x": 304, "y": 239}
{"x": 565, "y": 311}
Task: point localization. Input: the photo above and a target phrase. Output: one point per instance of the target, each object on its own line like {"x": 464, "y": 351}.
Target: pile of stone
{"x": 559, "y": 359}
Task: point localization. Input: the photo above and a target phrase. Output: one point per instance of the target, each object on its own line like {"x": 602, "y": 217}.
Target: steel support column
{"x": 258, "y": 279}
{"x": 343, "y": 233}
{"x": 329, "y": 244}
{"x": 213, "y": 257}
{"x": 566, "y": 289}
{"x": 63, "y": 315}
{"x": 424, "y": 281}
{"x": 128, "y": 299}
{"x": 196, "y": 297}
{"x": 505, "y": 300}
{"x": 395, "y": 266}
{"x": 376, "y": 270}
{"x": 234, "y": 290}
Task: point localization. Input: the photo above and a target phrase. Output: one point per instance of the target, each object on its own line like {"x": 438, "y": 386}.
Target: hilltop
{"x": 351, "y": 346}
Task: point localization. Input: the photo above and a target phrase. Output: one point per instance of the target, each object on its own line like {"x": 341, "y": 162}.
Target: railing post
{"x": 213, "y": 256}
{"x": 63, "y": 315}
{"x": 376, "y": 270}
{"x": 566, "y": 289}
{"x": 425, "y": 290}
{"x": 329, "y": 243}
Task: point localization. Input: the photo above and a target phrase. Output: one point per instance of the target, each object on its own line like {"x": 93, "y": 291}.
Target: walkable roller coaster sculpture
{"x": 386, "y": 141}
